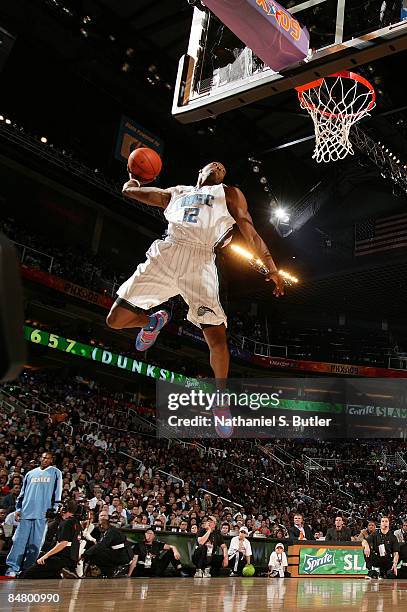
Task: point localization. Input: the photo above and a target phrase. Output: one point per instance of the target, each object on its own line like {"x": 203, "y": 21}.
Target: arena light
{"x": 8, "y": 121}
{"x": 43, "y": 140}
{"x": 288, "y": 277}
{"x": 282, "y": 215}
{"x": 259, "y": 265}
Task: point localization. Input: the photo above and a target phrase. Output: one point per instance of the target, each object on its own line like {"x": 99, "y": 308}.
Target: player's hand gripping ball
{"x": 144, "y": 164}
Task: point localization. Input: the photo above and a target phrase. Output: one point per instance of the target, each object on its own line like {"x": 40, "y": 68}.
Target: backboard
{"x": 219, "y": 73}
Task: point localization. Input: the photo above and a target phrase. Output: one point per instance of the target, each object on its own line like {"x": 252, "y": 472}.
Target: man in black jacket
{"x": 339, "y": 533}
{"x": 299, "y": 531}
{"x": 111, "y": 552}
{"x": 206, "y": 557}
{"x": 381, "y": 550}
{"x": 152, "y": 557}
{"x": 62, "y": 559}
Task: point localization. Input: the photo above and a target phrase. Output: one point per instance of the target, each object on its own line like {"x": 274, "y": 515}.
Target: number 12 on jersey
{"x": 191, "y": 215}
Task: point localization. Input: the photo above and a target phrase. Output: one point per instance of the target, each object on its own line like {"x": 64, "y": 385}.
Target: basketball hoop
{"x": 335, "y": 103}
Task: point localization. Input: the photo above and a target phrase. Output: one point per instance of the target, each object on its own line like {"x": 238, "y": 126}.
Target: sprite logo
{"x": 314, "y": 562}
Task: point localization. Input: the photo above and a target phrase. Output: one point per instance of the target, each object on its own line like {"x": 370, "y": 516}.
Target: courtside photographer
{"x": 62, "y": 559}
{"x": 111, "y": 554}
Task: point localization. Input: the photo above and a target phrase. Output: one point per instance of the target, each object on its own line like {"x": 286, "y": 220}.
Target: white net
{"x": 335, "y": 103}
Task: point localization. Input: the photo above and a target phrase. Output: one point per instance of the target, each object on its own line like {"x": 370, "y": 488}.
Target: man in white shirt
{"x": 97, "y": 498}
{"x": 116, "y": 506}
{"x": 240, "y": 551}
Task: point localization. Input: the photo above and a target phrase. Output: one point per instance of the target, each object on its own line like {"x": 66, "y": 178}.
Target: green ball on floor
{"x": 248, "y": 570}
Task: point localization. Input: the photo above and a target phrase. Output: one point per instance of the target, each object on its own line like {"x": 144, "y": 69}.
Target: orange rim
{"x": 346, "y": 75}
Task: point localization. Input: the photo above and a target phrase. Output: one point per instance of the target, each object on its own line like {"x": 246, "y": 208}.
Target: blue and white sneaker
{"x": 10, "y": 574}
{"x": 223, "y": 431}
{"x": 149, "y": 334}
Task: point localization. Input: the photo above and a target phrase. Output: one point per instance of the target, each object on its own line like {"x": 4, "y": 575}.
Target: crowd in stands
{"x": 77, "y": 265}
{"x": 104, "y": 443}
{"x": 322, "y": 343}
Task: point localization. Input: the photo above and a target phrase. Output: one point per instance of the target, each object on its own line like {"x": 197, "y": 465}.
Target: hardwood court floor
{"x": 208, "y": 595}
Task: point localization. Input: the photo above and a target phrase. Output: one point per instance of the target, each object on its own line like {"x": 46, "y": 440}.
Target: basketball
{"x": 248, "y": 570}
{"x": 144, "y": 163}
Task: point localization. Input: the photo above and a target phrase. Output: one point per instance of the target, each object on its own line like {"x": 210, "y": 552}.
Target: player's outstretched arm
{"x": 152, "y": 196}
{"x": 237, "y": 206}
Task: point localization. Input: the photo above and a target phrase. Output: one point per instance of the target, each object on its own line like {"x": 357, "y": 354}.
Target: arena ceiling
{"x": 95, "y": 40}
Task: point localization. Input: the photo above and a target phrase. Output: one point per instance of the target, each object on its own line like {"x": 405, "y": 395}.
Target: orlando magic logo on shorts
{"x": 202, "y": 310}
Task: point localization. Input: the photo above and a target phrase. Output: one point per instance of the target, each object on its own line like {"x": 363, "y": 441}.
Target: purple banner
{"x": 265, "y": 27}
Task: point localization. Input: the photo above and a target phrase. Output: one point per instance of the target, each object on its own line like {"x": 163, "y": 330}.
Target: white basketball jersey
{"x": 199, "y": 215}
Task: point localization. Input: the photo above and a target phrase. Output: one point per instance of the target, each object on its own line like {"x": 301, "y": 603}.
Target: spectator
{"x": 240, "y": 552}
{"x": 339, "y": 533}
{"x": 152, "y": 557}
{"x": 63, "y": 557}
{"x": 205, "y": 556}
{"x": 111, "y": 552}
{"x": 401, "y": 534}
{"x": 9, "y": 501}
{"x": 365, "y": 533}
{"x": 278, "y": 564}
{"x": 299, "y": 531}
{"x": 225, "y": 528}
{"x": 381, "y": 551}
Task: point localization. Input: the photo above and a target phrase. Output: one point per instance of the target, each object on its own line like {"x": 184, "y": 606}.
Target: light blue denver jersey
{"x": 41, "y": 490}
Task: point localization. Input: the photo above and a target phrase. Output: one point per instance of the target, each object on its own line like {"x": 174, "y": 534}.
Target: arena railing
{"x": 267, "y": 451}
{"x": 6, "y": 406}
{"x": 12, "y": 402}
{"x": 262, "y": 349}
{"x": 25, "y": 251}
{"x": 277, "y": 484}
{"x": 140, "y": 463}
{"x": 175, "y": 478}
{"x": 141, "y": 419}
{"x": 229, "y": 501}
{"x": 282, "y": 450}
{"x": 311, "y": 464}
{"x": 37, "y": 400}
{"x": 48, "y": 261}
{"x": 199, "y": 447}
{"x": 397, "y": 362}
{"x": 155, "y": 470}
{"x": 400, "y": 460}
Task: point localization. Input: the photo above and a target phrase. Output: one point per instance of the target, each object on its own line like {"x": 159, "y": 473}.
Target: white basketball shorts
{"x": 174, "y": 268}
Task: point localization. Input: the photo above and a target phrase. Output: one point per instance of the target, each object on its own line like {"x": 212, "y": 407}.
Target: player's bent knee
{"x": 113, "y": 321}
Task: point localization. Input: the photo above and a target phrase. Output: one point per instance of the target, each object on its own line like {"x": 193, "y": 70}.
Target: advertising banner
{"x": 131, "y": 136}
{"x": 333, "y": 560}
{"x": 99, "y": 354}
{"x": 64, "y": 286}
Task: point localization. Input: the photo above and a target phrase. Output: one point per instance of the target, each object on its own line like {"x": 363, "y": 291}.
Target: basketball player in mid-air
{"x": 200, "y": 221}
